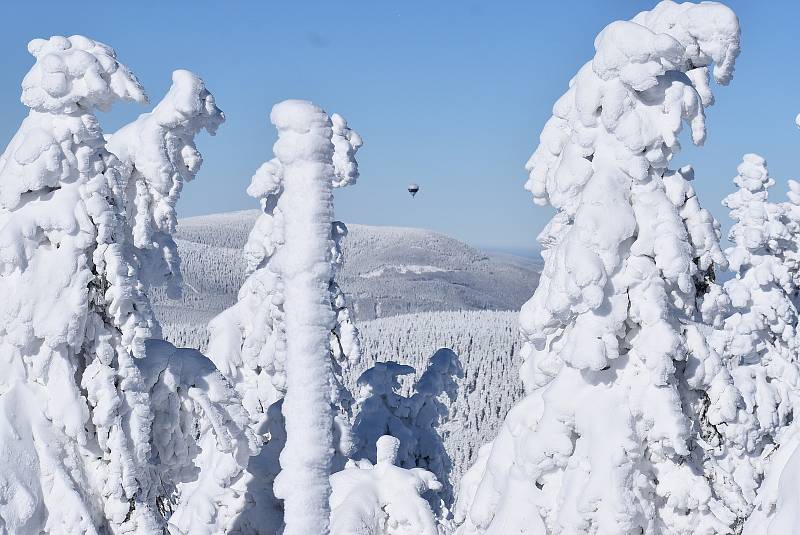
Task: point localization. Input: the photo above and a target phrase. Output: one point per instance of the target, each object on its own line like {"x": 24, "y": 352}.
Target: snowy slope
{"x": 387, "y": 271}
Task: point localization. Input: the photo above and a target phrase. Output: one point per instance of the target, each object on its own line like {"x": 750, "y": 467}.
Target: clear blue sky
{"x": 448, "y": 94}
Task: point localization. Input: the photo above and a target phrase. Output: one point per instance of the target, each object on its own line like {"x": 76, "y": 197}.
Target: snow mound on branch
{"x": 76, "y": 73}
{"x": 381, "y": 498}
{"x": 201, "y": 436}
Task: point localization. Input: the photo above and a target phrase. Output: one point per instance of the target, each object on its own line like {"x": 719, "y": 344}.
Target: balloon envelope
{"x": 413, "y": 189}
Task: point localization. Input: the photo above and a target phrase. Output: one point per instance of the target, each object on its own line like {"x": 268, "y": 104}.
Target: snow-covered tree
{"x": 74, "y": 315}
{"x": 416, "y": 421}
{"x": 283, "y": 340}
{"x": 100, "y": 428}
{"x": 769, "y": 241}
{"x": 382, "y": 498}
{"x": 159, "y": 155}
{"x": 200, "y": 431}
{"x": 759, "y": 337}
{"x": 201, "y": 440}
{"x": 624, "y": 397}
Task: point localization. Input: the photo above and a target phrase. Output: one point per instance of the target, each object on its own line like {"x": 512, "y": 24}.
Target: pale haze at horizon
{"x": 450, "y": 95}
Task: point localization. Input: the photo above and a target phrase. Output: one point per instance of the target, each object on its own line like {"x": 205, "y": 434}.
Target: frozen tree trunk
{"x": 293, "y": 254}
{"x": 304, "y": 148}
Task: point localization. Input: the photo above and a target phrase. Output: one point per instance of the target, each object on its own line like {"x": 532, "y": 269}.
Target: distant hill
{"x": 388, "y": 271}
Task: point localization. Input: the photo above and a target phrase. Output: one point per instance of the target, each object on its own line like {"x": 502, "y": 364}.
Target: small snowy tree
{"x": 382, "y": 499}
{"x": 624, "y": 395}
{"x": 100, "y": 428}
{"x": 290, "y": 328}
{"x": 416, "y": 421}
{"x": 760, "y": 335}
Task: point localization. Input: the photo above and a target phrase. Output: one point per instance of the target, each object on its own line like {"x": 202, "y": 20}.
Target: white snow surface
{"x": 381, "y": 498}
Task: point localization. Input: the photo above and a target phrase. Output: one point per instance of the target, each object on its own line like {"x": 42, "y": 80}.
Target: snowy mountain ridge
{"x": 383, "y": 266}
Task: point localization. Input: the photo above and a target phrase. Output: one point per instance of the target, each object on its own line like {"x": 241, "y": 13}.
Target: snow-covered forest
{"x": 275, "y": 371}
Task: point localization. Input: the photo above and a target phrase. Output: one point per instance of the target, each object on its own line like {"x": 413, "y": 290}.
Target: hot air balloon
{"x": 413, "y": 189}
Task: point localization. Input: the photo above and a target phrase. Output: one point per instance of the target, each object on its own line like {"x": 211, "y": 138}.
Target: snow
{"x": 402, "y": 269}
{"x": 381, "y": 498}
{"x": 282, "y": 343}
{"x": 653, "y": 399}
{"x": 414, "y": 420}
{"x": 201, "y": 436}
{"x": 761, "y": 334}
{"x": 72, "y": 343}
{"x": 214, "y": 269}
{"x": 305, "y": 151}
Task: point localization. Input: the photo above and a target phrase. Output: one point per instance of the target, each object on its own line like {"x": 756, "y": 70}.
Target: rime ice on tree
{"x": 86, "y": 449}
{"x": 623, "y": 393}
{"x": 72, "y": 305}
{"x": 763, "y": 338}
{"x": 159, "y": 155}
{"x": 291, "y": 325}
{"x": 760, "y": 334}
{"x": 380, "y": 410}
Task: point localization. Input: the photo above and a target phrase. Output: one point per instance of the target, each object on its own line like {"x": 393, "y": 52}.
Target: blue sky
{"x": 448, "y": 94}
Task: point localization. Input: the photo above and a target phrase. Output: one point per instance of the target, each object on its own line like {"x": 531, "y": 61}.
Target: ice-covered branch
{"x": 159, "y": 155}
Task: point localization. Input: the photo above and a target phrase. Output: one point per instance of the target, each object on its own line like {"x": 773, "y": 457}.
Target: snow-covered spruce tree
{"x": 283, "y": 313}
{"x": 306, "y": 153}
{"x": 159, "y": 155}
{"x": 74, "y": 317}
{"x": 624, "y": 398}
{"x": 416, "y": 421}
{"x": 201, "y": 435}
{"x": 86, "y": 449}
{"x": 774, "y": 379}
{"x": 760, "y": 335}
{"x": 382, "y": 498}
